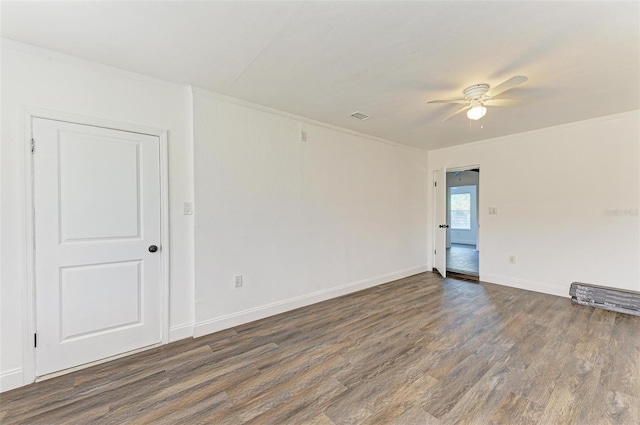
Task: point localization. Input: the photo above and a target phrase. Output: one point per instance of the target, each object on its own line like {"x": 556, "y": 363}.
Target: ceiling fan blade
{"x": 456, "y": 112}
{"x": 507, "y": 85}
{"x": 448, "y": 101}
{"x": 502, "y": 102}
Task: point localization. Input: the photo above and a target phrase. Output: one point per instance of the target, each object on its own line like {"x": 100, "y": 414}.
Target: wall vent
{"x": 359, "y": 115}
{"x": 613, "y": 299}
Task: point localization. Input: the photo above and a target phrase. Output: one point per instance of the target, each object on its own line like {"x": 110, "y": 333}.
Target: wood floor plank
{"x": 517, "y": 410}
{"x": 414, "y": 416}
{"x": 623, "y": 373}
{"x": 304, "y": 407}
{"x": 574, "y": 393}
{"x": 420, "y": 350}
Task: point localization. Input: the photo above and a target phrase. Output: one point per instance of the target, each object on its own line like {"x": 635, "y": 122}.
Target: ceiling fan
{"x": 478, "y": 96}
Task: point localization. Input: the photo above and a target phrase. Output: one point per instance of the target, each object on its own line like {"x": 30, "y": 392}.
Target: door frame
{"x": 29, "y": 285}
{"x": 446, "y": 198}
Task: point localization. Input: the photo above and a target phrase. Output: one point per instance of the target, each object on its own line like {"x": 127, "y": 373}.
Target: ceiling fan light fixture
{"x": 476, "y": 112}
{"x": 476, "y": 95}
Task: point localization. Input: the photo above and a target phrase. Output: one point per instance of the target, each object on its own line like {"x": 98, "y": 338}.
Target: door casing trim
{"x": 29, "y": 319}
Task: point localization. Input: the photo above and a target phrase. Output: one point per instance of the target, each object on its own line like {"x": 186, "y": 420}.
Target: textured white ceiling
{"x": 325, "y": 60}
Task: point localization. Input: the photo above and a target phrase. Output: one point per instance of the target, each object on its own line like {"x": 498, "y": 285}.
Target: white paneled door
{"x": 440, "y": 216}
{"x": 97, "y": 243}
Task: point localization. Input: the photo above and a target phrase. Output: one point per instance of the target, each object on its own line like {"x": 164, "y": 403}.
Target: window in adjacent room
{"x": 460, "y": 211}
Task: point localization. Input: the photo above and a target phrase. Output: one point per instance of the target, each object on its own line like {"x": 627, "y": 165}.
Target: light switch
{"x": 493, "y": 210}
{"x": 188, "y": 208}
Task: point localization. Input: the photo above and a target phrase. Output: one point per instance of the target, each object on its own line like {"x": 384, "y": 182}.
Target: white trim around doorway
{"x": 447, "y": 169}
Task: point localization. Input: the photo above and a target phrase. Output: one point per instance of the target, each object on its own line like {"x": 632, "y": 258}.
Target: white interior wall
{"x": 301, "y": 221}
{"x": 39, "y": 78}
{"x": 568, "y": 200}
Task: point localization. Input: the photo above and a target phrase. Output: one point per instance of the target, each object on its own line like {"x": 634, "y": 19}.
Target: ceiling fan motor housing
{"x": 475, "y": 91}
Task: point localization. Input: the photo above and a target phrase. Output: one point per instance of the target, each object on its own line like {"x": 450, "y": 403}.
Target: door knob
{"x": 153, "y": 248}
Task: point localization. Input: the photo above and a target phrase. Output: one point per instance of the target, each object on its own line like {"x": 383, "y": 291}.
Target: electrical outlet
{"x": 237, "y": 279}
{"x": 303, "y": 136}
{"x": 493, "y": 210}
{"x": 512, "y": 259}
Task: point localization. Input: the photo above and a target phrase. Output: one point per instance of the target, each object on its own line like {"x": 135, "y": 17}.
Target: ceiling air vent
{"x": 359, "y": 115}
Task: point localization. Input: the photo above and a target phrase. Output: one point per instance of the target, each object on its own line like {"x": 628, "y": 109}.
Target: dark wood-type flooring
{"x": 463, "y": 259}
{"x": 421, "y": 350}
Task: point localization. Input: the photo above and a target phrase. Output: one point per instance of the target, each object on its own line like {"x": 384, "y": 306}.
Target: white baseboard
{"x": 179, "y": 332}
{"x": 11, "y": 379}
{"x": 529, "y": 285}
{"x": 235, "y": 319}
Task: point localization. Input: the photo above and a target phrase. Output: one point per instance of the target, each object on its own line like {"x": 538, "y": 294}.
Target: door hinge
{"x": 434, "y": 252}
{"x": 35, "y": 340}
{"x": 33, "y": 145}
{"x": 434, "y": 183}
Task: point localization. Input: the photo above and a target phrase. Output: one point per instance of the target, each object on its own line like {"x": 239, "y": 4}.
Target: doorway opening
{"x": 462, "y": 241}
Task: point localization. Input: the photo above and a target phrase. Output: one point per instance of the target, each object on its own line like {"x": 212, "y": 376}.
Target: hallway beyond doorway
{"x": 463, "y": 259}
